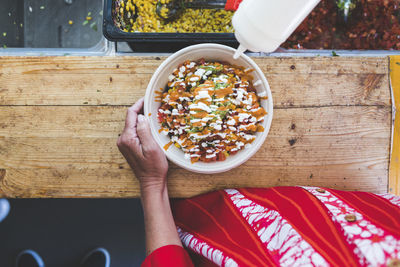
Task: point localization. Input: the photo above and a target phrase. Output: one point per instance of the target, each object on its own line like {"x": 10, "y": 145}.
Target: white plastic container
{"x": 159, "y": 80}
{"x": 263, "y": 25}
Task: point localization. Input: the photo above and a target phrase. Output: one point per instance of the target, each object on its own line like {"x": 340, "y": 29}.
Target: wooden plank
{"x": 59, "y": 151}
{"x": 147, "y": 65}
{"x": 299, "y": 82}
{"x": 394, "y": 169}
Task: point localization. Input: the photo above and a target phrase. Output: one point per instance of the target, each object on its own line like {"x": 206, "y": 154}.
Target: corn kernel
{"x": 192, "y": 20}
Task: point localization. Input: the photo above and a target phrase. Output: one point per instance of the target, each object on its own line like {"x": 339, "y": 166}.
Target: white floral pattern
{"x": 283, "y": 242}
{"x": 377, "y": 245}
{"x": 213, "y": 254}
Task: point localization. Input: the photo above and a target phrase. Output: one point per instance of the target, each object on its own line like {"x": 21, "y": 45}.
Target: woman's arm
{"x": 159, "y": 224}
{"x": 150, "y": 167}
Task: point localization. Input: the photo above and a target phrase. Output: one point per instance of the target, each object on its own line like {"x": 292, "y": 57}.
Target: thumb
{"x": 145, "y": 137}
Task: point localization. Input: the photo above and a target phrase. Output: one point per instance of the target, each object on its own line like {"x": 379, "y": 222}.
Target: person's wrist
{"x": 154, "y": 187}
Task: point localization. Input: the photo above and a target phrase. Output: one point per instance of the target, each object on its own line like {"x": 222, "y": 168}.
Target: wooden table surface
{"x": 60, "y": 118}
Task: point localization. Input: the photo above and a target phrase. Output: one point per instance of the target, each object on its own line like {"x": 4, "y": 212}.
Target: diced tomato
{"x": 221, "y": 156}
{"x": 231, "y": 153}
{"x": 203, "y": 158}
{"x": 161, "y": 117}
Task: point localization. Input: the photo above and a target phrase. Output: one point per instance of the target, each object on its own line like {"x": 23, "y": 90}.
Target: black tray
{"x": 159, "y": 42}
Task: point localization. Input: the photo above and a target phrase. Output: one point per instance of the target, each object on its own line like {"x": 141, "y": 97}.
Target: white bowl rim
{"x": 250, "y": 151}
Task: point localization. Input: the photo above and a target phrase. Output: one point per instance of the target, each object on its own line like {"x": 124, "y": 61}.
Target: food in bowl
{"x": 191, "y": 20}
{"x": 210, "y": 110}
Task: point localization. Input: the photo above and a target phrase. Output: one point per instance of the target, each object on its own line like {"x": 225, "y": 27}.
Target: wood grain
{"x": 70, "y": 152}
{"x": 123, "y": 80}
{"x": 60, "y": 118}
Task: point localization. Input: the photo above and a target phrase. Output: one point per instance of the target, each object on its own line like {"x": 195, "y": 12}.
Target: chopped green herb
{"x": 219, "y": 68}
{"x": 208, "y": 68}
{"x": 89, "y": 13}
{"x": 66, "y": 54}
{"x": 85, "y": 22}
{"x": 4, "y": 34}
{"x": 42, "y": 7}
{"x": 196, "y": 129}
{"x": 93, "y": 25}
{"x": 222, "y": 113}
{"x": 220, "y": 85}
{"x": 21, "y": 25}
{"x": 334, "y": 54}
{"x": 398, "y": 63}
{"x": 4, "y": 46}
{"x": 85, "y": 102}
{"x": 346, "y": 4}
{"x": 98, "y": 91}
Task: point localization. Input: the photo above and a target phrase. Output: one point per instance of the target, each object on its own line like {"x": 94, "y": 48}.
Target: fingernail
{"x": 141, "y": 118}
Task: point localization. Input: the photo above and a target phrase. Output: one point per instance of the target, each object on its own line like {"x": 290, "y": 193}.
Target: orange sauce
{"x": 193, "y": 160}
{"x": 253, "y": 97}
{"x": 205, "y": 101}
{"x": 191, "y": 146}
{"x": 258, "y": 113}
{"x": 162, "y": 129}
{"x": 220, "y": 93}
{"x": 234, "y": 137}
{"x": 158, "y": 97}
{"x": 167, "y": 145}
{"x": 252, "y": 128}
{"x": 197, "y": 124}
{"x": 209, "y": 86}
{"x": 205, "y": 131}
{"x": 260, "y": 128}
{"x": 200, "y": 115}
{"x": 187, "y": 143}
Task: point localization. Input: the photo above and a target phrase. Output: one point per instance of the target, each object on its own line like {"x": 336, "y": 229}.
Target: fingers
{"x": 138, "y": 105}
{"x": 131, "y": 116}
{"x": 149, "y": 145}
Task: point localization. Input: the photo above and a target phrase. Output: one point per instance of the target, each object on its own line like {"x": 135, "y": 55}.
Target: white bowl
{"x": 159, "y": 80}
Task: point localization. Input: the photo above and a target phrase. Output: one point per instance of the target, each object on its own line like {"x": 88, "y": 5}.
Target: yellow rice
{"x": 191, "y": 20}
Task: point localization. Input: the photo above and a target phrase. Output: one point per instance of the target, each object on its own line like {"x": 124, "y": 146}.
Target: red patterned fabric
{"x": 377, "y": 245}
{"x": 232, "y": 5}
{"x": 289, "y": 226}
{"x": 233, "y": 239}
{"x": 374, "y": 208}
{"x": 168, "y": 256}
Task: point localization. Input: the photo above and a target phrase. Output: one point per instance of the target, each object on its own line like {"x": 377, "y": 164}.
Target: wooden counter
{"x": 60, "y": 118}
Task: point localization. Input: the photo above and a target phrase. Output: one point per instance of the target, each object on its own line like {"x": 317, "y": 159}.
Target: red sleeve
{"x": 168, "y": 256}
